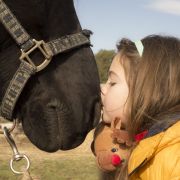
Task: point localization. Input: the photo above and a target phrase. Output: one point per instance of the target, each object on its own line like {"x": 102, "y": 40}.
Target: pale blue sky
{"x": 110, "y": 20}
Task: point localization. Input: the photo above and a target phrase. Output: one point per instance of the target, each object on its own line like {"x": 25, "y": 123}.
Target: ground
{"x": 75, "y": 164}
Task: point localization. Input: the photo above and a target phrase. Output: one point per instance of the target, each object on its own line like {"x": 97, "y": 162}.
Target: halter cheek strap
{"x": 27, "y": 46}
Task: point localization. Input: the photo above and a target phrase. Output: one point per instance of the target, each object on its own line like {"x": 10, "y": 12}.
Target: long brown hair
{"x": 154, "y": 85}
{"x": 153, "y": 79}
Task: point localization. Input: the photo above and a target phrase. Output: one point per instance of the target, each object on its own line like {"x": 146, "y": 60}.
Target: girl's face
{"x": 114, "y": 93}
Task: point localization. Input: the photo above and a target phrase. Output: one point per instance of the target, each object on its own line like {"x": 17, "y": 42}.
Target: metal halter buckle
{"x": 41, "y": 46}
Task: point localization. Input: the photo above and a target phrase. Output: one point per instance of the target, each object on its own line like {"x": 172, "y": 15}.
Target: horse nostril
{"x": 54, "y": 103}
{"x": 58, "y": 106}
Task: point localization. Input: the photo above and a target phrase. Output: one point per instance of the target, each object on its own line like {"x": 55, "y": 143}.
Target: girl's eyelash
{"x": 112, "y": 83}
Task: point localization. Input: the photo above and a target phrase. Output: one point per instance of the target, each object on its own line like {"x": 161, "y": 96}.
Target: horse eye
{"x": 114, "y": 150}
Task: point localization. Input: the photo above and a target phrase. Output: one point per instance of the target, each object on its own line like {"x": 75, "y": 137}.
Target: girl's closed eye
{"x": 112, "y": 83}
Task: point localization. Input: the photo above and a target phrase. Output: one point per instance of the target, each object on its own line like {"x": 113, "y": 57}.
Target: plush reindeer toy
{"x": 111, "y": 145}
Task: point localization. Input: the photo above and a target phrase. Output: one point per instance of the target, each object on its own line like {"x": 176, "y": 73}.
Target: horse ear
{"x": 116, "y": 124}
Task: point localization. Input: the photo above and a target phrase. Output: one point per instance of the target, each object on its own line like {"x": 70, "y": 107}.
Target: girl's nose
{"x": 103, "y": 92}
{"x": 103, "y": 89}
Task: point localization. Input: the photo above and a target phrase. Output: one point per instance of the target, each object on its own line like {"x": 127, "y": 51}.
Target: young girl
{"x": 143, "y": 91}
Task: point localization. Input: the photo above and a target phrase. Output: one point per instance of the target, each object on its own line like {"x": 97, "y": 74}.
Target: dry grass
{"x": 75, "y": 164}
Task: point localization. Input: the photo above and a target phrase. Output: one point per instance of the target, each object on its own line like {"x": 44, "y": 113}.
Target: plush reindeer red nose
{"x": 116, "y": 160}
{"x": 108, "y": 161}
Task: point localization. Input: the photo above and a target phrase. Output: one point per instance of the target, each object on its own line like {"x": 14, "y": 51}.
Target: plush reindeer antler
{"x": 120, "y": 136}
{"x": 106, "y": 146}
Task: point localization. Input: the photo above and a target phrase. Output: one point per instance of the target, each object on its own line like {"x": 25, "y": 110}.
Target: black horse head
{"x": 60, "y": 104}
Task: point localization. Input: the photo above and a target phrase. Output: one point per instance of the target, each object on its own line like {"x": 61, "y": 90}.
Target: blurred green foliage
{"x": 103, "y": 60}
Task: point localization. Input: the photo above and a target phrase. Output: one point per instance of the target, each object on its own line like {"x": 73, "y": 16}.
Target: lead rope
{"x": 24, "y": 171}
{"x": 11, "y": 129}
{"x": 27, "y": 176}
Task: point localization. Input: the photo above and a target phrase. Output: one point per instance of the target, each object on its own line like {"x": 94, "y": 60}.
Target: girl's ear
{"x": 116, "y": 124}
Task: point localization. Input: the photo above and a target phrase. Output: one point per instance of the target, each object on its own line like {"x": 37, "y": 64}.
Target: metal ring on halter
{"x": 10, "y": 129}
{"x": 18, "y": 158}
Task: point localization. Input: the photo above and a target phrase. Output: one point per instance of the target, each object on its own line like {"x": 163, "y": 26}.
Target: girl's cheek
{"x": 116, "y": 98}
{"x": 114, "y": 103}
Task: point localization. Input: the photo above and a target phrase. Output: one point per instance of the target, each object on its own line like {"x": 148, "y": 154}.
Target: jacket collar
{"x": 160, "y": 126}
{"x": 149, "y": 147}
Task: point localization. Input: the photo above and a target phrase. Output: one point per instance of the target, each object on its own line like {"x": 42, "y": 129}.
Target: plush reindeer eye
{"x": 114, "y": 150}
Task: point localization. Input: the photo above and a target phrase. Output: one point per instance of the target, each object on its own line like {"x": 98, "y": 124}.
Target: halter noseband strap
{"x": 28, "y": 45}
